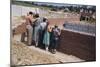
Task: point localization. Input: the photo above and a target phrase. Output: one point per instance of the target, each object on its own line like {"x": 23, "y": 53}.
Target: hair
{"x": 31, "y": 13}
{"x": 36, "y": 15}
{"x": 56, "y": 26}
{"x": 44, "y": 19}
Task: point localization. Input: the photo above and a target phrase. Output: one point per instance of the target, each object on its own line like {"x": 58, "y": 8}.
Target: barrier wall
{"x": 80, "y": 45}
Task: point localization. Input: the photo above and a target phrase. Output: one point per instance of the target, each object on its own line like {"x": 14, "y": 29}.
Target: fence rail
{"x": 87, "y": 28}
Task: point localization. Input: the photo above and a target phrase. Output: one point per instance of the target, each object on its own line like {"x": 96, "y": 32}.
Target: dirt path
{"x": 21, "y": 54}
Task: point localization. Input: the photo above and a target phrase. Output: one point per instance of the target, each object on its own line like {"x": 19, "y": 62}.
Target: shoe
{"x": 29, "y": 44}
{"x": 52, "y": 51}
{"x": 46, "y": 48}
{"x": 55, "y": 50}
{"x": 36, "y": 45}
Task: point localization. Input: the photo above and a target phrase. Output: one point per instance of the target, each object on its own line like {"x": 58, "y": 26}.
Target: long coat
{"x": 46, "y": 38}
{"x": 36, "y": 29}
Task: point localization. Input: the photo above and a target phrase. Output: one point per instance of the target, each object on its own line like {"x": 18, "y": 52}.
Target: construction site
{"x": 77, "y": 44}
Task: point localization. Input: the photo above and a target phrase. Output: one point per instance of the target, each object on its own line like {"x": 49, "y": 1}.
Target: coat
{"x": 46, "y": 38}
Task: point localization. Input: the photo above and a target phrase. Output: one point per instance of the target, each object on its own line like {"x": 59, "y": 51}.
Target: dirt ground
{"x": 21, "y": 54}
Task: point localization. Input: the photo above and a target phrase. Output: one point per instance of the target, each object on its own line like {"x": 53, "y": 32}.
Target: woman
{"x": 36, "y": 29}
{"x": 46, "y": 38}
{"x": 43, "y": 26}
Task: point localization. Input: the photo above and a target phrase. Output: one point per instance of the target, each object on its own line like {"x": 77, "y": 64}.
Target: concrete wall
{"x": 80, "y": 45}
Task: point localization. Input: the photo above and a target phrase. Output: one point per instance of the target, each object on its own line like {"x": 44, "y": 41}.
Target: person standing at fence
{"x": 46, "y": 38}
{"x": 43, "y": 26}
{"x": 55, "y": 38}
{"x": 36, "y": 29}
{"x": 29, "y": 29}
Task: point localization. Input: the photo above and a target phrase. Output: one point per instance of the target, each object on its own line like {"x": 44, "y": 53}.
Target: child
{"x": 55, "y": 38}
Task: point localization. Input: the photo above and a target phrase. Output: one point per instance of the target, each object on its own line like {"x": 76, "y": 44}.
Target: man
{"x": 29, "y": 29}
{"x": 55, "y": 36}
